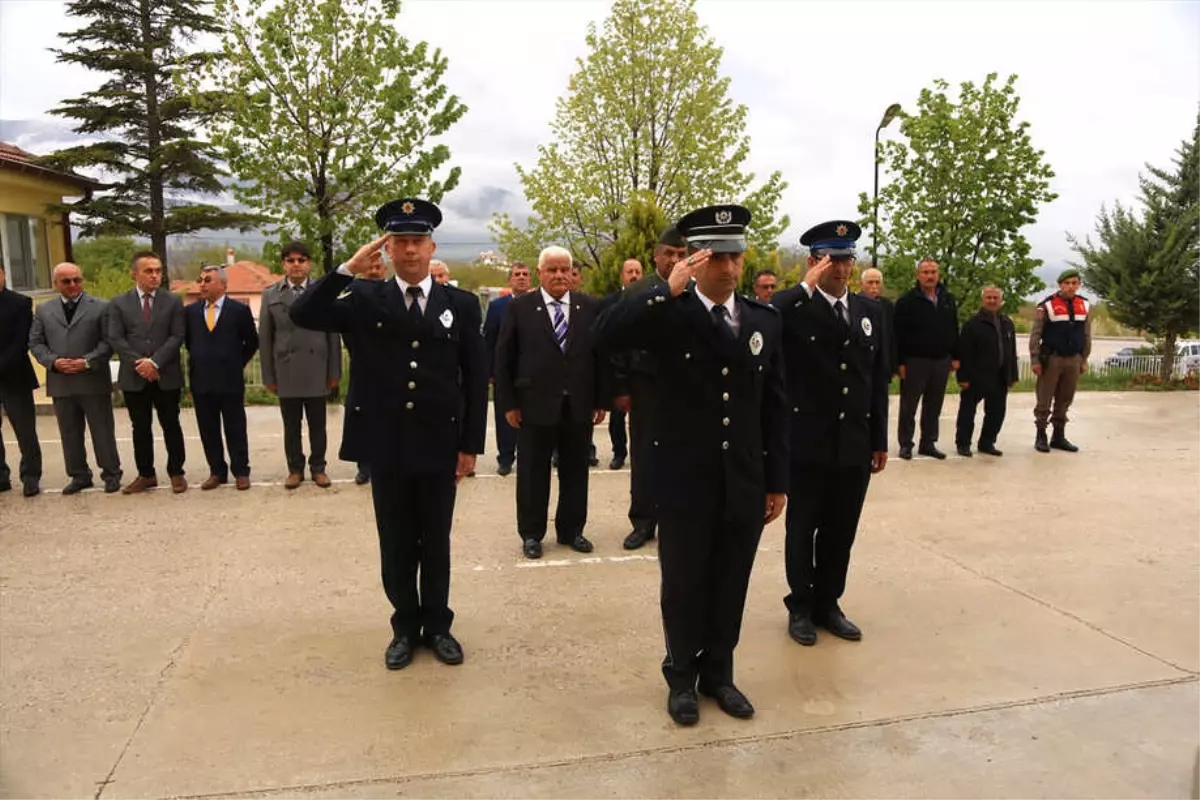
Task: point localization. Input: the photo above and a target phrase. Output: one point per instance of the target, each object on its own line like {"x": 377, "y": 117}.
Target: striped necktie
{"x": 560, "y": 325}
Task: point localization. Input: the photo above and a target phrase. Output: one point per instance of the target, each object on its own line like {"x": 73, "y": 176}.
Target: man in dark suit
{"x": 640, "y": 376}
{"x": 987, "y": 352}
{"x": 298, "y": 365}
{"x": 220, "y": 338}
{"x": 17, "y": 382}
{"x": 553, "y": 387}
{"x": 837, "y": 386}
{"x": 69, "y": 338}
{"x": 145, "y": 328}
{"x": 872, "y": 288}
{"x": 355, "y": 433}
{"x": 631, "y": 271}
{"x": 506, "y": 435}
{"x": 719, "y": 455}
{"x": 423, "y": 393}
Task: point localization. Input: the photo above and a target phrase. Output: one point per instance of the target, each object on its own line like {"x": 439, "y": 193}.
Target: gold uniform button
{"x": 845, "y": 390}
{"x": 648, "y": 302}
{"x": 412, "y": 384}
{"x": 843, "y": 365}
{"x": 687, "y": 356}
{"x": 724, "y": 370}
{"x": 378, "y": 324}
{"x": 795, "y": 409}
{"x": 842, "y": 415}
{"x": 416, "y": 345}
{"x": 724, "y": 445}
{"x": 725, "y": 396}
{"x": 408, "y": 405}
{"x": 725, "y": 421}
{"x": 412, "y": 365}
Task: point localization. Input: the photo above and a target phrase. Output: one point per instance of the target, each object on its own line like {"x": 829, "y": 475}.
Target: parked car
{"x": 1188, "y": 357}
{"x": 1122, "y": 359}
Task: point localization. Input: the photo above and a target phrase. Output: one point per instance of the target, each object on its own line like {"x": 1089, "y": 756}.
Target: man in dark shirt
{"x": 987, "y": 348}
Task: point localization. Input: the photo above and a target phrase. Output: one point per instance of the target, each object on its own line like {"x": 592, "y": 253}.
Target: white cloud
{"x": 1105, "y": 86}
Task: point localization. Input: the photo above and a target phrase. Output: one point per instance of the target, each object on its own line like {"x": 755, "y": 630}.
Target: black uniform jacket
{"x": 421, "y": 387}
{"x": 720, "y": 437}
{"x": 837, "y": 386}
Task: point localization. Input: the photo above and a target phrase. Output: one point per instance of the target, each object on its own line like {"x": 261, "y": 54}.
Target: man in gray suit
{"x": 145, "y": 328}
{"x": 299, "y": 365}
{"x": 68, "y": 339}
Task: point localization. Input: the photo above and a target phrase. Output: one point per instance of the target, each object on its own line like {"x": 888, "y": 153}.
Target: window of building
{"x": 25, "y": 251}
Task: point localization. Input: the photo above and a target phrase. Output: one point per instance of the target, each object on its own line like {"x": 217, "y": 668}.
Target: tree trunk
{"x": 1167, "y": 366}
{"x": 158, "y": 233}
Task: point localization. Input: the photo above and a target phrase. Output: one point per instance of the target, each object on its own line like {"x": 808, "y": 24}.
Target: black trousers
{"x": 642, "y": 513}
{"x": 214, "y": 410}
{"x": 413, "y": 514}
{"x": 924, "y": 383}
{"x": 995, "y": 406}
{"x": 617, "y": 434}
{"x": 142, "y": 406}
{"x": 95, "y": 413}
{"x": 506, "y": 437}
{"x": 292, "y": 409}
{"x": 823, "y": 508}
{"x": 705, "y": 564}
{"x": 537, "y": 443}
{"x": 18, "y": 404}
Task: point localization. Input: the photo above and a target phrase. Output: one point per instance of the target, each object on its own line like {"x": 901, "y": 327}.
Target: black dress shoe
{"x": 964, "y": 450}
{"x": 112, "y": 485}
{"x": 616, "y": 463}
{"x": 580, "y": 544}
{"x": 593, "y": 462}
{"x": 990, "y": 449}
{"x": 683, "y": 706}
{"x": 836, "y": 623}
{"x": 504, "y": 469}
{"x": 361, "y": 477}
{"x": 906, "y": 453}
{"x": 532, "y": 548}
{"x": 5, "y": 486}
{"x": 76, "y": 485}
{"x": 446, "y": 648}
{"x": 637, "y": 538}
{"x": 729, "y": 700}
{"x": 471, "y": 474}
{"x": 31, "y": 489}
{"x": 931, "y": 451}
{"x": 801, "y": 628}
{"x": 399, "y": 653}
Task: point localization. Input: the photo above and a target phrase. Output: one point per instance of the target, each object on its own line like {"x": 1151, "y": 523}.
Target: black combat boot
{"x": 1059, "y": 440}
{"x": 1040, "y": 444}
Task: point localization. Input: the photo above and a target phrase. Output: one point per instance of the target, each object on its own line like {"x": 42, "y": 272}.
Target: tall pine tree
{"x": 146, "y": 148}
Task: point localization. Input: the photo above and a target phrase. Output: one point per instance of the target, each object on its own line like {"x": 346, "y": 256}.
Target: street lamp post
{"x": 892, "y": 112}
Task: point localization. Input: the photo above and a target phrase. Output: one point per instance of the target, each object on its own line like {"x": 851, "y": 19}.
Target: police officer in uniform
{"x": 718, "y": 456}
{"x": 838, "y": 374}
{"x": 423, "y": 394}
{"x": 1059, "y": 346}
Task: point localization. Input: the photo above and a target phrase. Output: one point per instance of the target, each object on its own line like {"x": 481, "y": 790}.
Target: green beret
{"x": 672, "y": 238}
{"x": 1067, "y": 274}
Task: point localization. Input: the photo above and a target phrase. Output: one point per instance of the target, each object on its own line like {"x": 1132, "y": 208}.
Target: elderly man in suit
{"x": 299, "y": 365}
{"x": 17, "y": 382}
{"x": 987, "y": 348}
{"x": 69, "y": 339}
{"x": 506, "y": 435}
{"x": 553, "y": 387}
{"x": 220, "y": 338}
{"x": 145, "y": 328}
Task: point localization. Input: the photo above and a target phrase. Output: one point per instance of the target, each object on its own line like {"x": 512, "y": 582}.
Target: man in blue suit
{"x": 221, "y": 338}
{"x": 506, "y": 435}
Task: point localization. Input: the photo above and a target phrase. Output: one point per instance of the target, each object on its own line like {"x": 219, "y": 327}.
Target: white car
{"x": 1188, "y": 357}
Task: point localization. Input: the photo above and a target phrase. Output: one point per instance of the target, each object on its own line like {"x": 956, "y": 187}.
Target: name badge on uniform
{"x": 756, "y": 343}
{"x": 866, "y": 326}
{"x": 447, "y": 318}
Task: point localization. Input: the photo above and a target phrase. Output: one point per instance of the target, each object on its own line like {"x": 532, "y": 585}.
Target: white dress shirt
{"x": 425, "y": 284}
{"x": 730, "y": 306}
{"x": 547, "y": 298}
{"x": 845, "y": 300}
{"x": 219, "y": 302}
{"x": 142, "y": 297}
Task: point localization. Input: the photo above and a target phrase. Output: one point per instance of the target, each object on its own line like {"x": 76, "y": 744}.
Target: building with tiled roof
{"x": 247, "y": 280}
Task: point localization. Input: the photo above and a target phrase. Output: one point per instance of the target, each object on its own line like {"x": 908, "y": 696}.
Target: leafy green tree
{"x": 1147, "y": 266}
{"x": 641, "y": 225}
{"x": 962, "y": 187}
{"x": 330, "y": 113}
{"x": 147, "y": 147}
{"x": 646, "y": 112}
{"x": 105, "y": 262}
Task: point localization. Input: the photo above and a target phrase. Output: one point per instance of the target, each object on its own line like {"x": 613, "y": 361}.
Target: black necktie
{"x": 843, "y": 327}
{"x": 414, "y": 305}
{"x": 69, "y": 309}
{"x": 721, "y": 320}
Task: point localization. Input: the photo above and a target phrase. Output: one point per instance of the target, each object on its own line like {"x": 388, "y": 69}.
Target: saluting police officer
{"x": 422, "y": 389}
{"x": 837, "y": 370}
{"x": 718, "y": 455}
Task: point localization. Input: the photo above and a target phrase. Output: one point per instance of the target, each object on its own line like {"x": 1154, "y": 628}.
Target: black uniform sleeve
{"x": 881, "y": 377}
{"x": 504, "y": 360}
{"x": 15, "y": 348}
{"x": 318, "y": 308}
{"x": 474, "y": 370}
{"x": 634, "y": 321}
{"x": 795, "y": 295}
{"x": 776, "y": 421}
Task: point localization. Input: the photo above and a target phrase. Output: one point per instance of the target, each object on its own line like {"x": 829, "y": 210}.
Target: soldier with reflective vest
{"x": 1059, "y": 346}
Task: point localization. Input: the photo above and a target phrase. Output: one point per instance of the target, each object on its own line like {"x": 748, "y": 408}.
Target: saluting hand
{"x": 775, "y": 504}
{"x": 367, "y": 256}
{"x": 685, "y": 270}
{"x": 816, "y": 271}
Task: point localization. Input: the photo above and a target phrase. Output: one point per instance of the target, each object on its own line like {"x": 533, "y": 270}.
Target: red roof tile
{"x": 245, "y": 277}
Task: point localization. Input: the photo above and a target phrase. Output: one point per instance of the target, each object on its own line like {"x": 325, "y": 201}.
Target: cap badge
{"x": 724, "y": 217}
{"x": 408, "y": 208}
{"x": 756, "y": 343}
{"x": 842, "y": 230}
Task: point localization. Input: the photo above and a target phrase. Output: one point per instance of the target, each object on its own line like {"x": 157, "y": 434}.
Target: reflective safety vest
{"x": 1063, "y": 326}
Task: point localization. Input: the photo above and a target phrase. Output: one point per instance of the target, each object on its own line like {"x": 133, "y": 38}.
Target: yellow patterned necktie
{"x": 210, "y": 316}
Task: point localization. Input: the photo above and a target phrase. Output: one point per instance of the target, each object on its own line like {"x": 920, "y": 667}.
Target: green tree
{"x": 641, "y": 224}
{"x": 105, "y": 262}
{"x": 330, "y": 113}
{"x": 646, "y": 112}
{"x": 1147, "y": 266}
{"x": 962, "y": 187}
{"x": 146, "y": 128}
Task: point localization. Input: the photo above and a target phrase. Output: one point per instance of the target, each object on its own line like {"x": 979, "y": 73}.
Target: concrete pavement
{"x": 1031, "y": 629}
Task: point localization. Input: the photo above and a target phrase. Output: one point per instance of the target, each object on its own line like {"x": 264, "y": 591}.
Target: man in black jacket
{"x": 872, "y": 287}
{"x": 987, "y": 351}
{"x": 927, "y": 350}
{"x": 837, "y": 378}
{"x": 553, "y": 386}
{"x": 719, "y": 457}
{"x": 17, "y": 382}
{"x": 221, "y": 339}
{"x": 423, "y": 395}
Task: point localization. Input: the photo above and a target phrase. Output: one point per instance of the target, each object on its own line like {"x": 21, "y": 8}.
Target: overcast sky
{"x": 1106, "y": 86}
